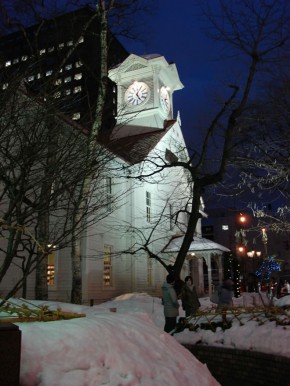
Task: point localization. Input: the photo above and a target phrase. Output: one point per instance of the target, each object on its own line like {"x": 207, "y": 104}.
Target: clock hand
{"x": 137, "y": 93}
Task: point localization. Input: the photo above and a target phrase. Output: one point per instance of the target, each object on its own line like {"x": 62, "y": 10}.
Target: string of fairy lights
{"x": 232, "y": 266}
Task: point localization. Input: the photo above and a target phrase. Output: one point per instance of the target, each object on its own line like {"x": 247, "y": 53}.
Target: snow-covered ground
{"x": 128, "y": 347}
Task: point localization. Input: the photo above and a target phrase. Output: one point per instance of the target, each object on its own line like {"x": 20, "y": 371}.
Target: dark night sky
{"x": 179, "y": 33}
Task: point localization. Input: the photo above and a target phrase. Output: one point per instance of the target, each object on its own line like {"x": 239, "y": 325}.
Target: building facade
{"x": 141, "y": 135}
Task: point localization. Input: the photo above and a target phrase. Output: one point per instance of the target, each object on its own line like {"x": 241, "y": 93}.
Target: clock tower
{"x": 145, "y": 86}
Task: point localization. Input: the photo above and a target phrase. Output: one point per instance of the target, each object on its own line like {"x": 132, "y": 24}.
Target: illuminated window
{"x": 51, "y": 269}
{"x": 81, "y": 39}
{"x": 4, "y": 86}
{"x": 69, "y": 43}
{"x": 76, "y": 116}
{"x": 57, "y": 95}
{"x": 67, "y": 92}
{"x": 77, "y": 89}
{"x": 30, "y": 78}
{"x": 8, "y": 63}
{"x": 148, "y": 206}
{"x": 79, "y": 64}
{"x": 61, "y": 45}
{"x": 42, "y": 51}
{"x": 16, "y": 60}
{"x": 107, "y": 273}
{"x": 48, "y": 73}
{"x": 58, "y": 82}
{"x": 225, "y": 227}
{"x": 24, "y": 58}
{"x": 78, "y": 76}
{"x": 68, "y": 67}
{"x": 50, "y": 49}
{"x": 67, "y": 79}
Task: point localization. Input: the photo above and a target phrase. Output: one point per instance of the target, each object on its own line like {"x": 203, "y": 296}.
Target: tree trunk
{"x": 76, "y": 292}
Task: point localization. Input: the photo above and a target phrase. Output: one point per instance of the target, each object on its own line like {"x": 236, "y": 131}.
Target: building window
{"x": 69, "y": 43}
{"x": 51, "y": 269}
{"x": 76, "y": 116}
{"x": 48, "y": 73}
{"x": 57, "y": 95}
{"x": 77, "y": 89}
{"x": 149, "y": 271}
{"x": 42, "y": 51}
{"x": 79, "y": 64}
{"x": 67, "y": 92}
{"x": 107, "y": 273}
{"x": 67, "y": 79}
{"x": 148, "y": 206}
{"x": 58, "y": 82}
{"x": 8, "y": 63}
{"x": 108, "y": 193}
{"x": 78, "y": 76}
{"x": 16, "y": 60}
{"x": 4, "y": 86}
{"x": 68, "y": 67}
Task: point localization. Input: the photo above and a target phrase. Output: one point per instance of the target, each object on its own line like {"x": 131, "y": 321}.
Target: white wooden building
{"x": 146, "y": 134}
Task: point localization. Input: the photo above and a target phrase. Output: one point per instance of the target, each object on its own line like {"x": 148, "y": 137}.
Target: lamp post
{"x": 241, "y": 244}
{"x": 252, "y": 254}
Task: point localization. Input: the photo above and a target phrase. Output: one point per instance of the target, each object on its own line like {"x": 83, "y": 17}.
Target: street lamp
{"x": 254, "y": 253}
{"x": 242, "y": 218}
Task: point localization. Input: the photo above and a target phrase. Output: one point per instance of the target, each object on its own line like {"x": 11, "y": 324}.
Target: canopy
{"x": 199, "y": 244}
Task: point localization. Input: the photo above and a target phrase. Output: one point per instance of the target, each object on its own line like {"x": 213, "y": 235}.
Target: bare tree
{"x": 79, "y": 196}
{"x": 42, "y": 167}
{"x": 262, "y": 163}
{"x": 255, "y": 33}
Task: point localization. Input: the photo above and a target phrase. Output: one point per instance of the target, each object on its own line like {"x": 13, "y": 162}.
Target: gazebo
{"x": 201, "y": 251}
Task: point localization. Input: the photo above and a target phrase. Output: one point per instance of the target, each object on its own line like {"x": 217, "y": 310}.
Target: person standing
{"x": 225, "y": 293}
{"x": 189, "y": 298}
{"x": 170, "y": 303}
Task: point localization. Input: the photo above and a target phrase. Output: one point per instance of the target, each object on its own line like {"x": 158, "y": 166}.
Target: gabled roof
{"x": 199, "y": 244}
{"x": 134, "y": 148}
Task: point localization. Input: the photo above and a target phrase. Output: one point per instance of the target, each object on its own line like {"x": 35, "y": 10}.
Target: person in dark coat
{"x": 189, "y": 298}
{"x": 226, "y": 293}
{"x": 225, "y": 297}
{"x": 170, "y": 303}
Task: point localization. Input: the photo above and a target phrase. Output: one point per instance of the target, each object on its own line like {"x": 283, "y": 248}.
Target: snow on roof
{"x": 199, "y": 244}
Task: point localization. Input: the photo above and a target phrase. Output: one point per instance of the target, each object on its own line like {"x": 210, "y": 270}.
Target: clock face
{"x": 164, "y": 99}
{"x": 137, "y": 93}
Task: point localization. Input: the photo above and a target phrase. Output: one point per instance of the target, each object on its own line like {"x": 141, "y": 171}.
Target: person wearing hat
{"x": 170, "y": 303}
